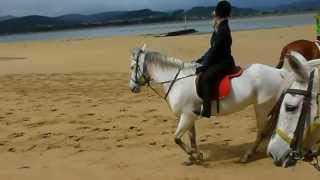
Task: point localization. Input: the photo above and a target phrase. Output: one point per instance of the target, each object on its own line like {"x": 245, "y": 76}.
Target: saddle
{"x": 223, "y": 86}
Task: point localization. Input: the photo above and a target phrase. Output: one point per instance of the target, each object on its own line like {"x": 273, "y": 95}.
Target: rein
{"x": 172, "y": 82}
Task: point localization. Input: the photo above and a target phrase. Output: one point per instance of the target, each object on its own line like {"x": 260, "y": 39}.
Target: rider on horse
{"x": 217, "y": 61}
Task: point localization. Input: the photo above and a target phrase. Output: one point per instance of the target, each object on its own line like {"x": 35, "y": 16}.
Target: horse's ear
{"x": 314, "y": 63}
{"x": 144, "y": 47}
{"x": 299, "y": 65}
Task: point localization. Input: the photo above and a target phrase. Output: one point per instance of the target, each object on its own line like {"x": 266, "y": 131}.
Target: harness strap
{"x": 284, "y": 136}
{"x": 165, "y": 82}
{"x": 298, "y": 92}
{"x": 173, "y": 81}
{"x": 297, "y": 141}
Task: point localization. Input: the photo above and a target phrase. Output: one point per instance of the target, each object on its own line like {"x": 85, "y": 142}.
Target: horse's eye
{"x": 291, "y": 108}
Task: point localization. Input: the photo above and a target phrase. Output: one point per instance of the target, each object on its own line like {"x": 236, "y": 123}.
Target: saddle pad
{"x": 225, "y": 84}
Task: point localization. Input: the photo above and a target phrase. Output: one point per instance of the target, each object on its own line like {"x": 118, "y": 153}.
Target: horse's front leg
{"x": 253, "y": 149}
{"x": 196, "y": 154}
{"x": 264, "y": 130}
{"x": 185, "y": 124}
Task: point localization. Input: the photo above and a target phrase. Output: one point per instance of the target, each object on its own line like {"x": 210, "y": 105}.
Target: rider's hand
{"x": 200, "y": 69}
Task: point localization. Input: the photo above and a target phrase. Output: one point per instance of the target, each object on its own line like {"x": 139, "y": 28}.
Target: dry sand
{"x": 66, "y": 113}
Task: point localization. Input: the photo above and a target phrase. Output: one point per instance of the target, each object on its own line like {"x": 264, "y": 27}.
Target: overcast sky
{"x": 59, "y": 7}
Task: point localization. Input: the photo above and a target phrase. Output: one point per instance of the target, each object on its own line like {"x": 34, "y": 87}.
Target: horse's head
{"x": 297, "y": 129}
{"x": 139, "y": 75}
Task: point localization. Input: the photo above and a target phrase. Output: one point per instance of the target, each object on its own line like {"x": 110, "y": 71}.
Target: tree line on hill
{"x": 35, "y": 23}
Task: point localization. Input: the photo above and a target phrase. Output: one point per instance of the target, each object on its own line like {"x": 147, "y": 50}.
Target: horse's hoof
{"x": 188, "y": 163}
{"x": 244, "y": 159}
{"x": 197, "y": 158}
{"x": 200, "y": 157}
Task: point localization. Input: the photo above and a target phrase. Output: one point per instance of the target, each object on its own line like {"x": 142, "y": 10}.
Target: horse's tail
{"x": 282, "y": 57}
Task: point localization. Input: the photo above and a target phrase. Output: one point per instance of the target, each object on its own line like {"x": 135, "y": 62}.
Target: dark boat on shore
{"x": 177, "y": 33}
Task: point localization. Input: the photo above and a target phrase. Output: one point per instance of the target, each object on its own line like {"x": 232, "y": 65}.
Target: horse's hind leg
{"x": 186, "y": 123}
{"x": 263, "y": 131}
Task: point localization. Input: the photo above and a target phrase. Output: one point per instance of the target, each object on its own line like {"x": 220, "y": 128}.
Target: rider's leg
{"x": 210, "y": 88}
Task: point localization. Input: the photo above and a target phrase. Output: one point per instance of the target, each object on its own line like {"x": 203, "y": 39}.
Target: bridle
{"x": 147, "y": 79}
{"x": 296, "y": 143}
{"x": 136, "y": 79}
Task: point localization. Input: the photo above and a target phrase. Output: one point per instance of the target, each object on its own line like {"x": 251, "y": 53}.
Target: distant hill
{"x": 3, "y": 18}
{"x": 11, "y": 24}
{"x": 105, "y": 16}
{"x": 69, "y": 21}
{"x": 206, "y": 12}
{"x": 30, "y": 24}
{"x": 112, "y": 16}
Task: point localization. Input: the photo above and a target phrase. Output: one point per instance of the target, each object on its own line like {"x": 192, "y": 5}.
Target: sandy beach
{"x": 66, "y": 112}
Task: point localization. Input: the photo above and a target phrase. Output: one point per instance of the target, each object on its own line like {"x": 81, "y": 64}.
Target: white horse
{"x": 258, "y": 85}
{"x": 297, "y": 133}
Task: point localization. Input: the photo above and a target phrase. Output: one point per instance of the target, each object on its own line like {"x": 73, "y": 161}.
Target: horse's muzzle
{"x": 289, "y": 162}
{"x": 286, "y": 161}
{"x": 275, "y": 161}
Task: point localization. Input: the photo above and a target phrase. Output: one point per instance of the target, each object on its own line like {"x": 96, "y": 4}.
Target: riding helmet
{"x": 223, "y": 9}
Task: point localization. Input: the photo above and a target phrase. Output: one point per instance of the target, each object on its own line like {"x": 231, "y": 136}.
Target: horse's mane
{"x": 159, "y": 60}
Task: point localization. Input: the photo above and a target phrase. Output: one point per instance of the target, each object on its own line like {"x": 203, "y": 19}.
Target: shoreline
{"x": 141, "y": 35}
{"x": 111, "y": 54}
{"x": 23, "y": 37}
